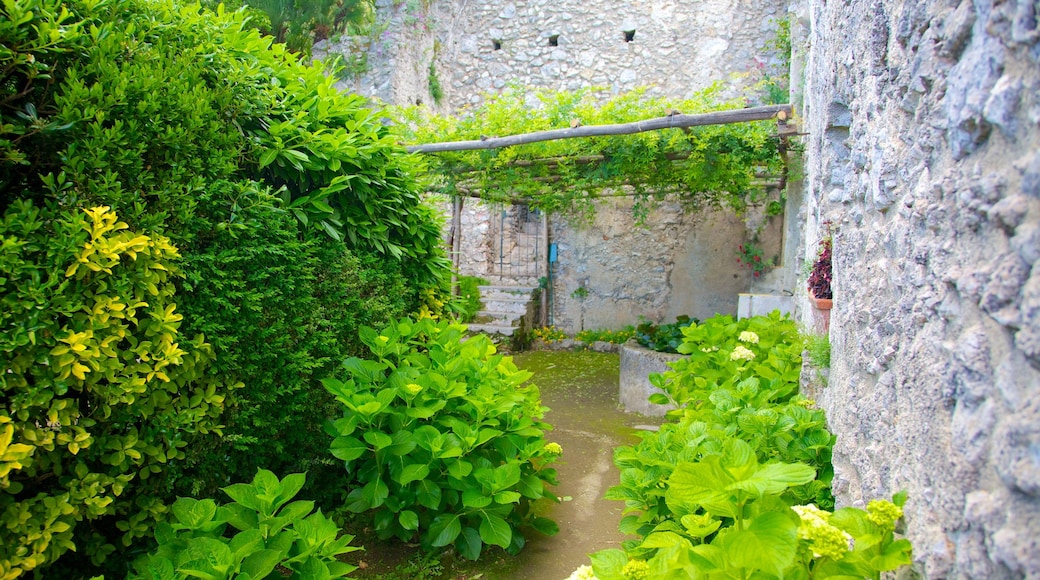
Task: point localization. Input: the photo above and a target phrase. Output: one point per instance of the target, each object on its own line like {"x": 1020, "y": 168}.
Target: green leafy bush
{"x": 712, "y": 492}
{"x": 101, "y": 389}
{"x": 273, "y": 536}
{"x": 442, "y": 439}
{"x": 604, "y": 335}
{"x": 185, "y": 122}
{"x": 663, "y": 337}
{"x": 155, "y": 101}
{"x": 282, "y": 307}
{"x": 468, "y": 302}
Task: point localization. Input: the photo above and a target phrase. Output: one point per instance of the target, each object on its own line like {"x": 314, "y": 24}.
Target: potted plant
{"x": 819, "y": 285}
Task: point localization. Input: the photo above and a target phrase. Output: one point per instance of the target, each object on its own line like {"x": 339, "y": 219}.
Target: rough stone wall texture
{"x": 674, "y": 49}
{"x": 924, "y": 153}
{"x": 678, "y": 263}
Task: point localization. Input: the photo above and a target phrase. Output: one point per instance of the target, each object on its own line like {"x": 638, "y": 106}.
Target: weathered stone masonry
{"x": 924, "y": 153}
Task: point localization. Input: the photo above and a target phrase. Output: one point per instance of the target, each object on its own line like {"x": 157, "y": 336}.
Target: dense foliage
{"x": 442, "y": 440}
{"x": 261, "y": 534}
{"x": 101, "y": 389}
{"x": 282, "y": 308}
{"x": 270, "y": 213}
{"x": 737, "y": 485}
{"x": 707, "y": 166}
{"x": 663, "y": 337}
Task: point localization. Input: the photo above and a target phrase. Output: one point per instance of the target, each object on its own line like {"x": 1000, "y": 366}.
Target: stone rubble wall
{"x": 675, "y": 51}
{"x": 923, "y": 151}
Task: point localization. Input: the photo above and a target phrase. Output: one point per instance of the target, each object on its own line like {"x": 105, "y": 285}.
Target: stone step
{"x": 492, "y": 329}
{"x": 506, "y": 305}
{"x": 497, "y": 318}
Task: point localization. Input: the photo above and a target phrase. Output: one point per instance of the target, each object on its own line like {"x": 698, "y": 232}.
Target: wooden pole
{"x": 677, "y": 121}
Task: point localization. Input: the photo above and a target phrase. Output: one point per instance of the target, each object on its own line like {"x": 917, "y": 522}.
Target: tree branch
{"x": 669, "y": 122}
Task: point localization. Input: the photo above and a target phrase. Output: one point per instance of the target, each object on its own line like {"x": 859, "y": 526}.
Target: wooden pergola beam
{"x": 676, "y": 121}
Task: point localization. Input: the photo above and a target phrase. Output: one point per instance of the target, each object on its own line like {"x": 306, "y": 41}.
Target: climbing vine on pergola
{"x": 518, "y": 147}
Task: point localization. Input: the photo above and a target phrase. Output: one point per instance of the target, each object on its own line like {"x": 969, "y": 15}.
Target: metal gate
{"x": 518, "y": 245}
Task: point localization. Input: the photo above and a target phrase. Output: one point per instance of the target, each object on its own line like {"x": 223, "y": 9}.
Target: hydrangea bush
{"x": 442, "y": 440}
{"x": 737, "y": 484}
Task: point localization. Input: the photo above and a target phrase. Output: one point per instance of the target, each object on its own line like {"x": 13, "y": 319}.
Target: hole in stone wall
{"x": 630, "y": 35}
{"x": 496, "y": 44}
{"x": 554, "y": 40}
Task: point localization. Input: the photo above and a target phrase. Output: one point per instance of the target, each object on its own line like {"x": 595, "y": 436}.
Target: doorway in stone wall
{"x": 518, "y": 245}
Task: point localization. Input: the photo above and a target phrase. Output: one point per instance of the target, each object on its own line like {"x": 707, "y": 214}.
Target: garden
{"x": 231, "y": 348}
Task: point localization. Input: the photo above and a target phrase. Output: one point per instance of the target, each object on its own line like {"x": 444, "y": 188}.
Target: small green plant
{"x": 436, "y": 92}
{"x": 602, "y": 335}
{"x": 467, "y": 303}
{"x": 548, "y": 334}
{"x": 442, "y": 439}
{"x": 580, "y": 293}
{"x": 819, "y": 348}
{"x": 273, "y": 536}
{"x": 664, "y": 337}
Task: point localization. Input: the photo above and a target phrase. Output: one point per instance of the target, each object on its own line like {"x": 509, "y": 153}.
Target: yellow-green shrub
{"x": 100, "y": 390}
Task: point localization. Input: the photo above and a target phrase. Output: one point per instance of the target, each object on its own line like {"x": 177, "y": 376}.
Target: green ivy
{"x": 707, "y": 166}
{"x": 442, "y": 439}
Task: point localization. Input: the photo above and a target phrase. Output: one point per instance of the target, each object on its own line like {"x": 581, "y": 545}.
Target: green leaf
{"x": 443, "y": 530}
{"x": 608, "y": 564}
{"x": 768, "y": 543}
{"x": 474, "y": 498}
{"x": 507, "y": 497}
{"x": 469, "y": 543}
{"x": 261, "y": 563}
{"x": 495, "y": 530}
{"x": 408, "y": 519}
{"x": 348, "y": 448}
{"x": 775, "y": 478}
{"x": 377, "y": 439}
{"x": 414, "y": 472}
{"x": 194, "y": 514}
{"x": 545, "y": 526}
{"x": 460, "y": 469}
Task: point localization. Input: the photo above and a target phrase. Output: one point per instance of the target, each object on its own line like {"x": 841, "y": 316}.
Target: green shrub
{"x": 819, "y": 348}
{"x": 282, "y": 307}
{"x": 664, "y": 337}
{"x": 101, "y": 389}
{"x": 442, "y": 439}
{"x": 468, "y": 303}
{"x": 273, "y": 536}
{"x": 712, "y": 493}
{"x": 603, "y": 335}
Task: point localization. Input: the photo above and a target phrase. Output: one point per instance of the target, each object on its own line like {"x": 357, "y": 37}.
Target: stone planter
{"x": 821, "y": 313}
{"x": 635, "y": 389}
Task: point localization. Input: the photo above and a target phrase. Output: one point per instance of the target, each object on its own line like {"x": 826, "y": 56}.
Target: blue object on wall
{"x": 552, "y": 253}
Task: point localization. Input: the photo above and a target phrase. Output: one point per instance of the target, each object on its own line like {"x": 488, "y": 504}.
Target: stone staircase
{"x": 505, "y": 309}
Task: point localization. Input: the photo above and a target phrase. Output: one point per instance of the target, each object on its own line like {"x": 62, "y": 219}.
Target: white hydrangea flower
{"x": 748, "y": 336}
{"x": 741, "y": 353}
{"x": 582, "y": 573}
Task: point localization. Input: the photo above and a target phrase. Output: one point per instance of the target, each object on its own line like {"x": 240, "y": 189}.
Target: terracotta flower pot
{"x": 821, "y": 313}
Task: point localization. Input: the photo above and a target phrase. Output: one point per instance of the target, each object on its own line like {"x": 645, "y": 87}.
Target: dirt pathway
{"x": 581, "y": 389}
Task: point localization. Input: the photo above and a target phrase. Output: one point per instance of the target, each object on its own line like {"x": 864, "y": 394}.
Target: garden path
{"x": 581, "y": 390}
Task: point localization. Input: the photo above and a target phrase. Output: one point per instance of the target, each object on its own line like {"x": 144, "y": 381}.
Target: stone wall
{"x": 674, "y": 51}
{"x": 923, "y": 150}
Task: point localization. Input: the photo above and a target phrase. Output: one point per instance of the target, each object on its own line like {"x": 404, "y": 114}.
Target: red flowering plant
{"x": 820, "y": 275}
{"x": 750, "y": 255}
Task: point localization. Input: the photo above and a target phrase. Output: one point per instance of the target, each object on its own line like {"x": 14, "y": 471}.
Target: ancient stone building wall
{"x": 923, "y": 151}
{"x": 675, "y": 50}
